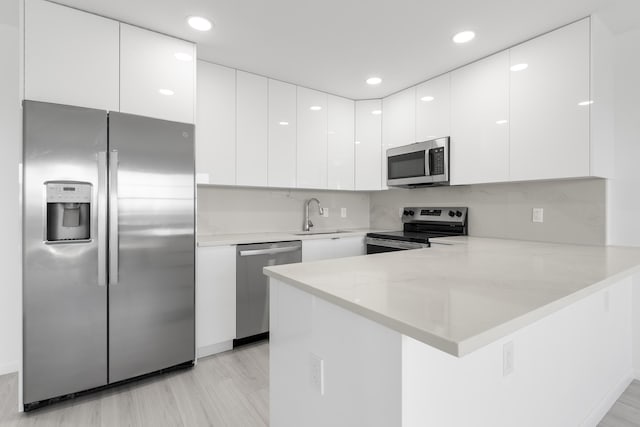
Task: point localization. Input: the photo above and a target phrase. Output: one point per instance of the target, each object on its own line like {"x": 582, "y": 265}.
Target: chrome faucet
{"x": 307, "y": 224}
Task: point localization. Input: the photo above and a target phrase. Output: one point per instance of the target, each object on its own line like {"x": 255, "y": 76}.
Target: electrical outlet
{"x": 325, "y": 212}
{"x": 343, "y": 212}
{"x": 316, "y": 371}
{"x": 537, "y": 215}
{"x": 507, "y": 359}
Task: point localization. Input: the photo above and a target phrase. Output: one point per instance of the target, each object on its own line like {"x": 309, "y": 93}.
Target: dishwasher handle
{"x": 269, "y": 251}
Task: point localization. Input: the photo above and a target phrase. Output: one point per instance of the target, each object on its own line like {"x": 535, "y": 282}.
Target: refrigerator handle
{"x": 102, "y": 218}
{"x": 113, "y": 217}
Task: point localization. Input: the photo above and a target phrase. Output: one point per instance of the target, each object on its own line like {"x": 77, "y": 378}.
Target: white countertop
{"x": 467, "y": 292}
{"x": 243, "y": 238}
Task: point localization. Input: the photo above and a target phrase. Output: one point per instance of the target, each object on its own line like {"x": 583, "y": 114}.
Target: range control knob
{"x": 458, "y": 214}
{"x": 405, "y": 213}
{"x": 411, "y": 213}
{"x": 451, "y": 213}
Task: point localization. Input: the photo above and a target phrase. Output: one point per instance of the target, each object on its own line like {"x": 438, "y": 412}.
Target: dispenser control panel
{"x": 64, "y": 192}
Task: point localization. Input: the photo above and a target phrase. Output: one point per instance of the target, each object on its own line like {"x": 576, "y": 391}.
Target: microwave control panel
{"x": 436, "y": 161}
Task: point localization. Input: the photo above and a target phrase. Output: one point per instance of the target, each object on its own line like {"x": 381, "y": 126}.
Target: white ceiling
{"x": 334, "y": 45}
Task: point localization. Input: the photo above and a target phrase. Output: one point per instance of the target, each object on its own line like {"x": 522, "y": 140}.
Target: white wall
{"x": 623, "y": 191}
{"x": 224, "y": 210}
{"x": 623, "y": 203}
{"x": 10, "y": 135}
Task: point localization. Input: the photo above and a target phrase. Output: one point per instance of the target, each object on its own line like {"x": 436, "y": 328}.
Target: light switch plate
{"x": 343, "y": 212}
{"x": 325, "y": 212}
{"x": 507, "y": 359}
{"x": 537, "y": 215}
{"x": 316, "y": 371}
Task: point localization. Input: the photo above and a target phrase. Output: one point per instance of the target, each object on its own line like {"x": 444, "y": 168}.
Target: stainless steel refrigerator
{"x": 108, "y": 248}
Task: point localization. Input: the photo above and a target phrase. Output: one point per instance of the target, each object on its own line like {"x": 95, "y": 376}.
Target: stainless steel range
{"x": 419, "y": 225}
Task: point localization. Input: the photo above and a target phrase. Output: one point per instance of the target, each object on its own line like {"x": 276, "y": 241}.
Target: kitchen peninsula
{"x": 522, "y": 333}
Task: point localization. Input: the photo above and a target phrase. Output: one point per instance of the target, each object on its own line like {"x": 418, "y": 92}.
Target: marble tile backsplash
{"x": 224, "y": 210}
{"x": 574, "y": 210}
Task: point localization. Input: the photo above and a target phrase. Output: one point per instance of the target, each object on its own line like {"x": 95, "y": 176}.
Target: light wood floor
{"x": 229, "y": 389}
{"x": 626, "y": 411}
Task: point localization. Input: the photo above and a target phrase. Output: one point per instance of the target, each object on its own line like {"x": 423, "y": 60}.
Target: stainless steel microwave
{"x": 420, "y": 164}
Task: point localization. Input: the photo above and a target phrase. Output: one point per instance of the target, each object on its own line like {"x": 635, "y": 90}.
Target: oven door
{"x": 376, "y": 246}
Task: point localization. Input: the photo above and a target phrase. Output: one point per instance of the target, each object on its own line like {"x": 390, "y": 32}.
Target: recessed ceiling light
{"x": 284, "y": 123}
{"x": 376, "y": 112}
{"x": 427, "y": 98}
{"x": 199, "y": 23}
{"x": 357, "y": 142}
{"x": 502, "y": 122}
{"x": 331, "y": 132}
{"x": 585, "y": 103}
{"x": 374, "y": 80}
{"x": 464, "y": 37}
{"x": 167, "y": 92}
{"x": 181, "y": 56}
{"x": 519, "y": 67}
{"x": 315, "y": 108}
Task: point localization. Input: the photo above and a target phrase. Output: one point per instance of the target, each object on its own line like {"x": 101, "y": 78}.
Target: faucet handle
{"x": 321, "y": 210}
{"x": 310, "y": 224}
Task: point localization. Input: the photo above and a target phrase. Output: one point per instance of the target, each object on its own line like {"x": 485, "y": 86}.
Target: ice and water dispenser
{"x": 68, "y": 211}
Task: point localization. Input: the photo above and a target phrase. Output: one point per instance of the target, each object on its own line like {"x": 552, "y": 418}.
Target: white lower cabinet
{"x": 336, "y": 247}
{"x": 215, "y": 299}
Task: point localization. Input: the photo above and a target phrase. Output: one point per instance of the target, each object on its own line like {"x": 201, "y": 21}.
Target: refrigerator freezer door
{"x": 65, "y": 308}
{"x": 152, "y": 307}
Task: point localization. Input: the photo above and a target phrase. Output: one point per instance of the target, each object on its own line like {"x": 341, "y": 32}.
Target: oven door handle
{"x": 395, "y": 244}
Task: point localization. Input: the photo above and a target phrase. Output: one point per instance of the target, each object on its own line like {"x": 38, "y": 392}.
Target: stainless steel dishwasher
{"x": 252, "y": 286}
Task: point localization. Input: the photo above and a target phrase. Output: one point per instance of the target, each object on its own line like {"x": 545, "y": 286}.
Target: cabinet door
{"x": 215, "y": 298}
{"x": 340, "y": 137}
{"x": 317, "y": 249}
{"x": 433, "y": 109}
{"x": 312, "y": 139}
{"x": 282, "y": 134}
{"x": 349, "y": 246}
{"x": 549, "y": 127}
{"x": 480, "y": 121}
{"x": 157, "y": 75}
{"x": 398, "y": 123}
{"x": 251, "y": 129}
{"x": 216, "y": 125}
{"x": 71, "y": 57}
{"x": 368, "y": 145}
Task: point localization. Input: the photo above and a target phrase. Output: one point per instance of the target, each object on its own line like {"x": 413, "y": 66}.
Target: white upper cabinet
{"x": 216, "y": 125}
{"x": 480, "y": 121}
{"x": 157, "y": 75}
{"x": 282, "y": 134}
{"x": 549, "y": 126}
{"x": 368, "y": 145}
{"x": 71, "y": 57}
{"x": 398, "y": 123}
{"x": 312, "y": 139}
{"x": 433, "y": 111}
{"x": 251, "y": 129}
{"x": 340, "y": 137}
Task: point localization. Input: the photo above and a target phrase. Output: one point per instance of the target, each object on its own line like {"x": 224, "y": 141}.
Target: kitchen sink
{"x": 310, "y": 233}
